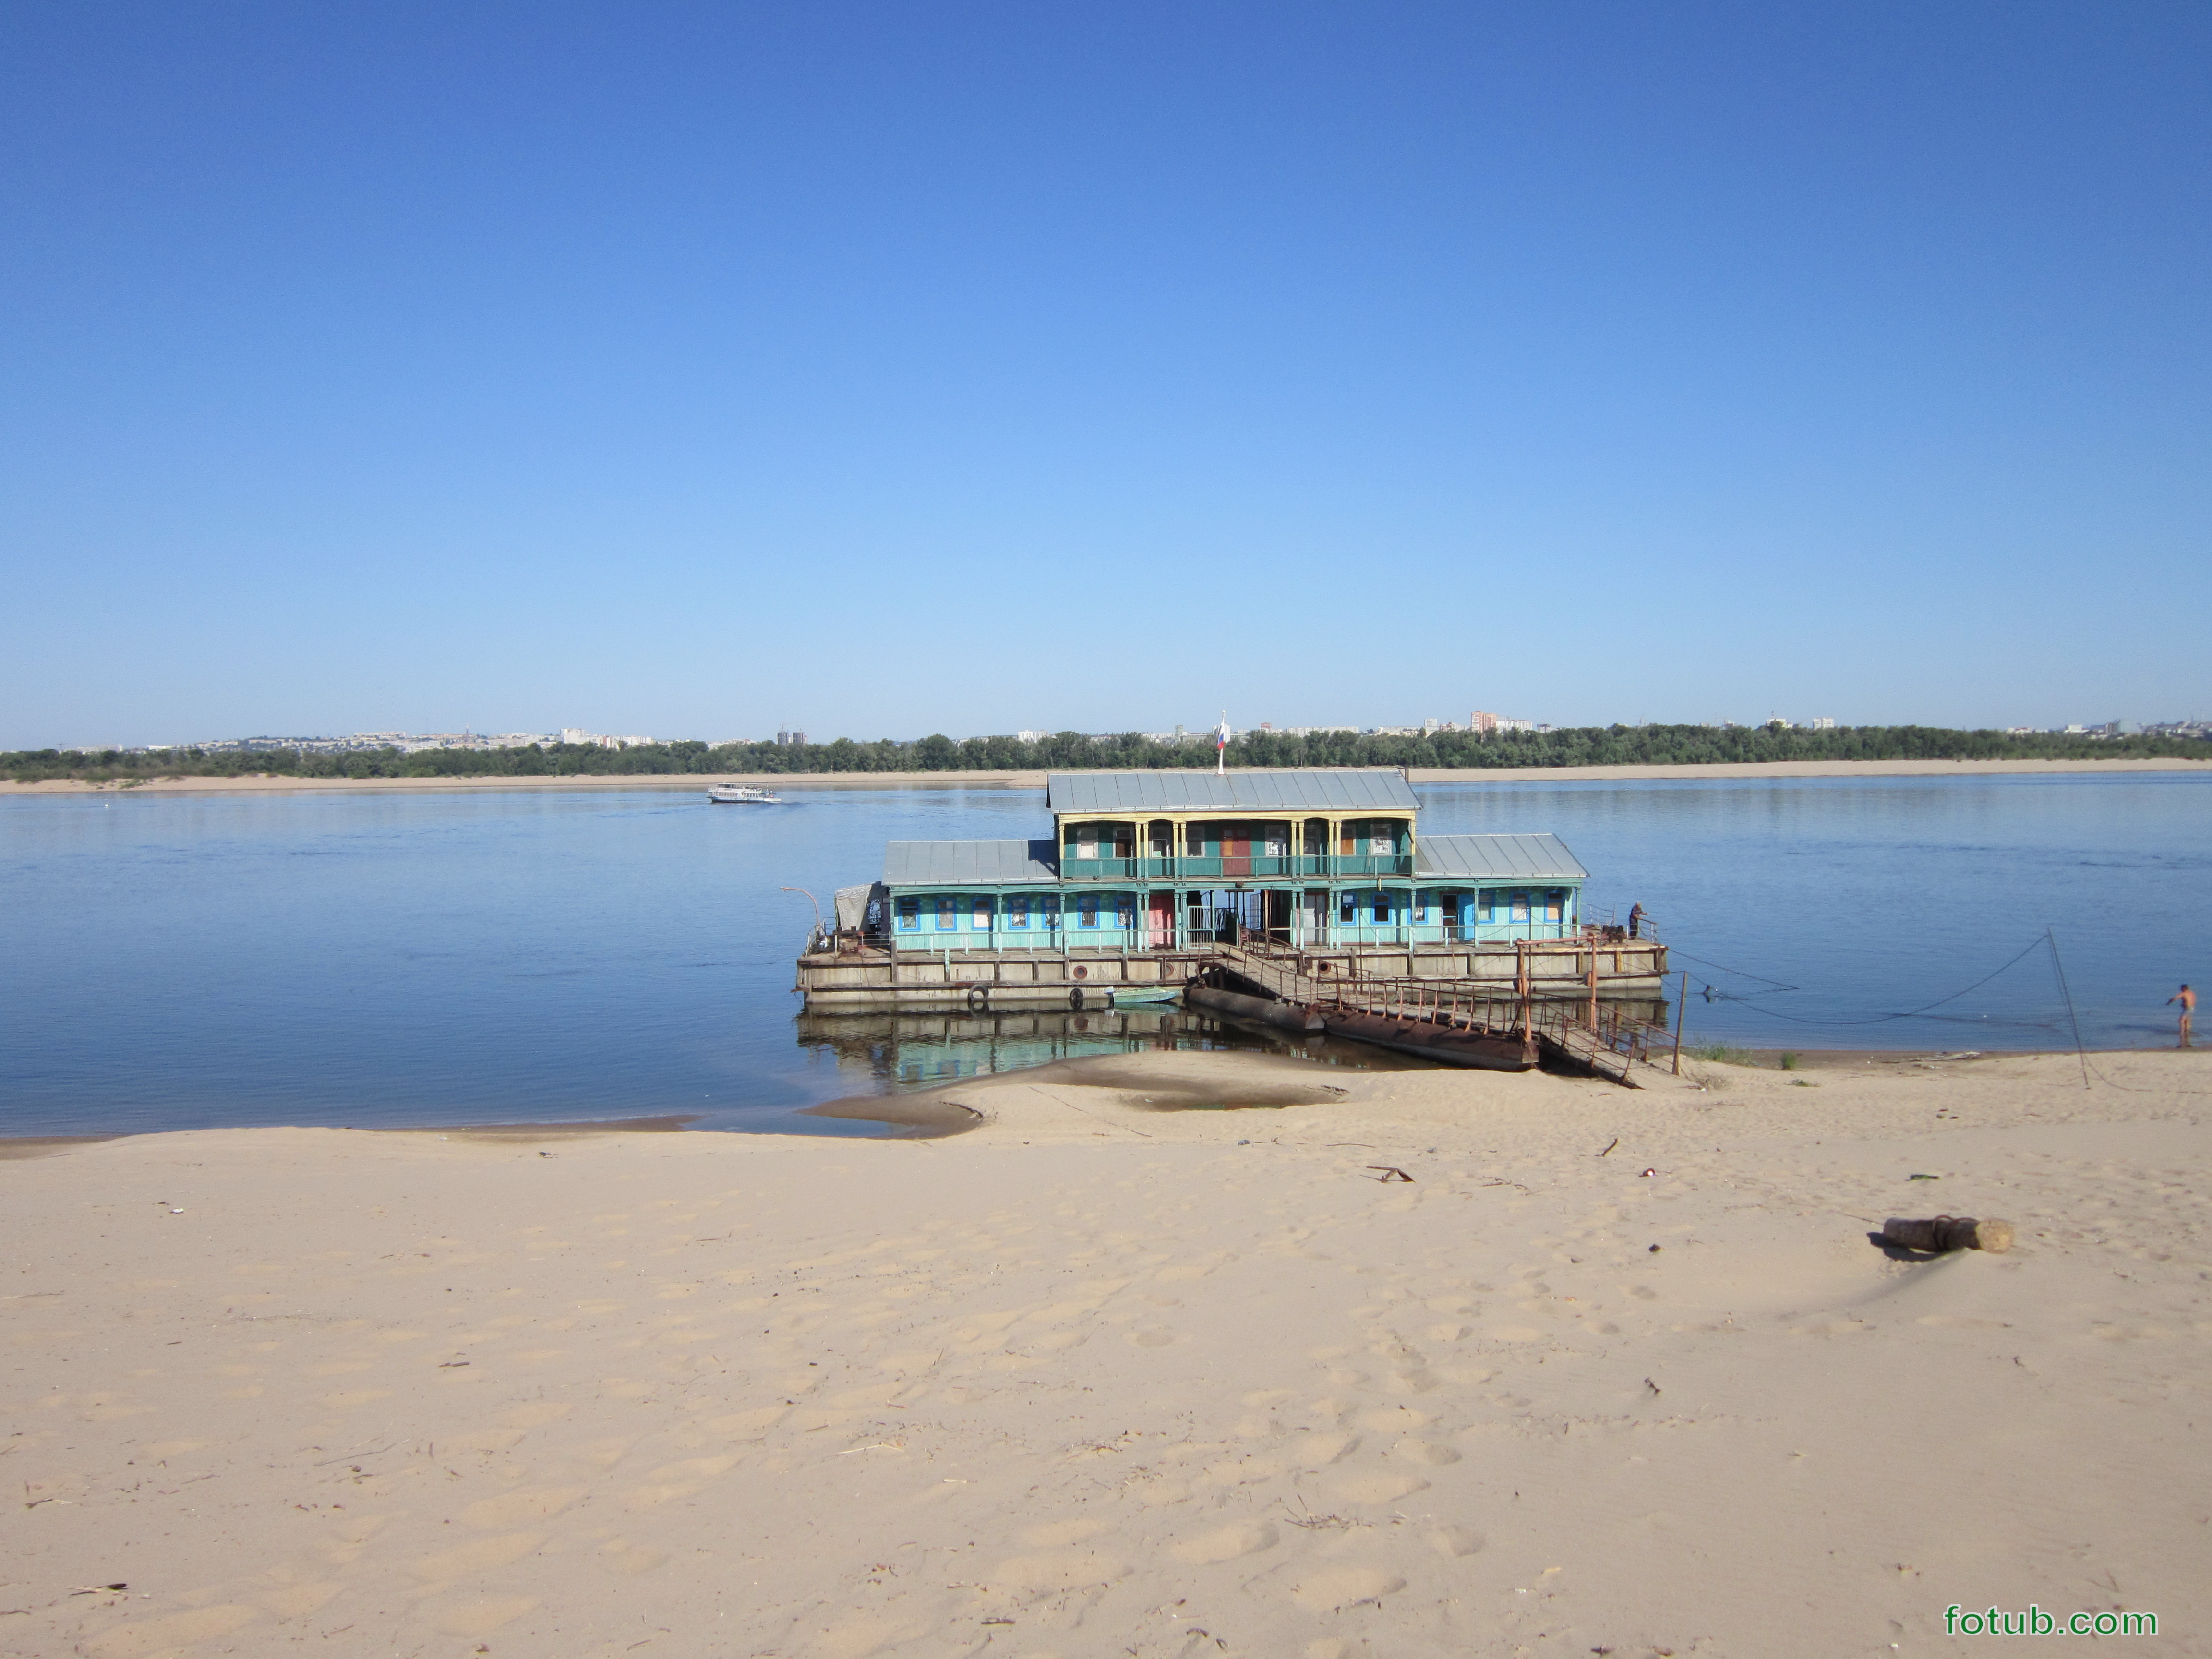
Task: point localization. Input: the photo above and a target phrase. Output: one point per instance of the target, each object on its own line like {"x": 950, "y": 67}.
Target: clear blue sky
{"x": 879, "y": 369}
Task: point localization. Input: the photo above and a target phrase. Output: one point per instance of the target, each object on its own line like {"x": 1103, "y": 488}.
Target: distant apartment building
{"x": 792, "y": 739}
{"x": 576, "y": 736}
{"x": 1486, "y": 724}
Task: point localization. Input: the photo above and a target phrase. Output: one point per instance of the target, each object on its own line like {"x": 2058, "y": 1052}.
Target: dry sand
{"x": 1891, "y": 768}
{"x": 1098, "y": 1379}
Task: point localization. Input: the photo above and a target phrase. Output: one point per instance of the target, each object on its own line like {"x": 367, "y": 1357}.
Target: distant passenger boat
{"x": 741, "y": 795}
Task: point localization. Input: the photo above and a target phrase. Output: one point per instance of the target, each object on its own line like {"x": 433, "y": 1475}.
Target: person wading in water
{"x": 2187, "y": 999}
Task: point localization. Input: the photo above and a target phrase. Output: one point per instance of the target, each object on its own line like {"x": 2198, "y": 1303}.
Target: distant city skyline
{"x": 466, "y": 737}
{"x": 683, "y": 362}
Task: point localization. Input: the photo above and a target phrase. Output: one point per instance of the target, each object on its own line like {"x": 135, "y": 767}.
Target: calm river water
{"x": 188, "y": 961}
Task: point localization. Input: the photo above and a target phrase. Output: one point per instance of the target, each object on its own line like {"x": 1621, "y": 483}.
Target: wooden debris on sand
{"x": 1944, "y": 1233}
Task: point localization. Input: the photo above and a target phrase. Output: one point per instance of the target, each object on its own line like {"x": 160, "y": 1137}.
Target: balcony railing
{"x": 1219, "y": 867}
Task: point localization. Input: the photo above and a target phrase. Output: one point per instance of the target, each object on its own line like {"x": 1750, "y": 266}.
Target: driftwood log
{"x": 1949, "y": 1232}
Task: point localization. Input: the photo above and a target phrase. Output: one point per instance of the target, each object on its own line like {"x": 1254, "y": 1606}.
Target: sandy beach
{"x": 1611, "y": 1372}
{"x": 1418, "y": 774}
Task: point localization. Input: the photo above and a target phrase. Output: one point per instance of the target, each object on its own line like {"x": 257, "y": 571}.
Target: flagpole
{"x": 1221, "y": 747}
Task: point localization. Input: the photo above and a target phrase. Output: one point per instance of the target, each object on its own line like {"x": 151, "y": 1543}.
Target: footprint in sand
{"x": 298, "y": 1601}
{"x": 1057, "y": 1571}
{"x": 1318, "y": 1451}
{"x": 515, "y": 1509}
{"x": 1332, "y": 1589}
{"x": 1433, "y": 1453}
{"x": 1227, "y": 1543}
{"x": 910, "y": 1364}
{"x": 863, "y": 1634}
{"x": 478, "y": 1615}
{"x": 674, "y": 1480}
{"x": 1061, "y": 1534}
{"x": 598, "y": 1453}
{"x": 625, "y": 1557}
{"x": 480, "y": 1556}
{"x": 144, "y": 1637}
{"x": 746, "y": 1425}
{"x": 351, "y": 1398}
{"x": 1374, "y": 1487}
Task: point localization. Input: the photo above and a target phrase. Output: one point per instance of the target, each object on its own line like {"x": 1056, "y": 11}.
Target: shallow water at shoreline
{"x": 196, "y": 961}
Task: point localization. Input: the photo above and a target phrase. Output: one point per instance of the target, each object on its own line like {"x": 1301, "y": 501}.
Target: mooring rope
{"x": 2048, "y": 941}
{"x": 1713, "y": 994}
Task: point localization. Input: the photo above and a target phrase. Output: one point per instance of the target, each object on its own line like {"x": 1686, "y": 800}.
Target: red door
{"x": 1235, "y": 849}
{"x": 1159, "y": 918}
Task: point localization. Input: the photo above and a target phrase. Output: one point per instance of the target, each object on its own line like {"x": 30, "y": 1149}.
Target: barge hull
{"x": 869, "y": 980}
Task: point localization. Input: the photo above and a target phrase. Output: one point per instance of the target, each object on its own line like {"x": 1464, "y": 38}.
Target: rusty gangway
{"x": 1585, "y": 1030}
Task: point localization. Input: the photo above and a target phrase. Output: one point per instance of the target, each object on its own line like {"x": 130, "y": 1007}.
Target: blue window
{"x": 1049, "y": 912}
{"x": 1382, "y": 907}
{"x": 909, "y": 914}
{"x": 1125, "y": 911}
{"x": 1347, "y": 907}
{"x": 1086, "y": 914}
{"x": 1018, "y": 910}
{"x": 948, "y": 913}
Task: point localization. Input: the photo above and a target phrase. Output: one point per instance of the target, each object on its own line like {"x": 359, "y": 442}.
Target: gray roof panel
{"x": 1495, "y": 858}
{"x": 968, "y": 863}
{"x": 1012, "y": 863}
{"x": 1332, "y": 790}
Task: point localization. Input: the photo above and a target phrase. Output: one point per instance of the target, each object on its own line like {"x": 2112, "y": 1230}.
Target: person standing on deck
{"x": 2187, "y": 999}
{"x": 1635, "y": 919}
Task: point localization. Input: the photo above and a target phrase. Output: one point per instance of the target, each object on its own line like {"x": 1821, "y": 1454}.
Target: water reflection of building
{"x": 920, "y": 1048}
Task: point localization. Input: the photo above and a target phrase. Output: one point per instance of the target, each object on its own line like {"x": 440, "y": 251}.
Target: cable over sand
{"x": 1098, "y": 1378}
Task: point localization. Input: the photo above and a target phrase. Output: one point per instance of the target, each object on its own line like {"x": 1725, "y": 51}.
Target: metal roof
{"x": 1335, "y": 790}
{"x": 1495, "y": 858}
{"x": 968, "y": 863}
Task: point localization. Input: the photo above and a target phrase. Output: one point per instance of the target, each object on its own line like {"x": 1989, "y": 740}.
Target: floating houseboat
{"x": 1148, "y": 876}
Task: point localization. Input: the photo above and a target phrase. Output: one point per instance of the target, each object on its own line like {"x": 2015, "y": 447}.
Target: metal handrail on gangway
{"x": 1583, "y": 1029}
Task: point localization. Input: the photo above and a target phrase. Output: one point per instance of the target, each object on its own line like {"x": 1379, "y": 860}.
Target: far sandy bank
{"x": 802, "y": 780}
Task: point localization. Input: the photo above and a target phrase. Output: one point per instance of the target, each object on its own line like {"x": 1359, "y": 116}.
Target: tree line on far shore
{"x": 1074, "y": 751}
